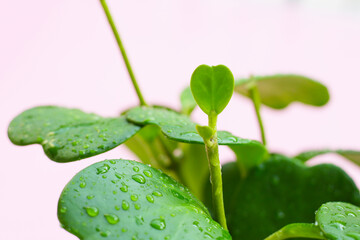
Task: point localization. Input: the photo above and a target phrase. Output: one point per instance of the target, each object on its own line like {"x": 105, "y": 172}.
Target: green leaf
{"x": 205, "y": 132}
{"x": 69, "y": 134}
{"x": 121, "y": 199}
{"x": 278, "y": 91}
{"x": 180, "y": 128}
{"x": 281, "y": 191}
{"x": 188, "y": 102}
{"x": 351, "y": 155}
{"x": 212, "y": 87}
{"x": 249, "y": 156}
{"x": 339, "y": 220}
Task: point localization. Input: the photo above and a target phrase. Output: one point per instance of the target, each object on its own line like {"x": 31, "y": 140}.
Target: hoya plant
{"x": 179, "y": 190}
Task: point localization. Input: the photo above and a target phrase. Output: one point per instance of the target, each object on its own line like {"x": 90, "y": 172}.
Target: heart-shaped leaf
{"x": 281, "y": 191}
{"x": 179, "y": 127}
{"x": 69, "y": 134}
{"x": 121, "y": 199}
{"x": 188, "y": 102}
{"x": 351, "y": 155}
{"x": 339, "y": 220}
{"x": 278, "y": 91}
{"x": 212, "y": 87}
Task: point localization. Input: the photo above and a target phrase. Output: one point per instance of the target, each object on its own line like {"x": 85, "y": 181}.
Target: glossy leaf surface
{"x": 121, "y": 199}
{"x": 278, "y": 91}
{"x": 180, "y": 128}
{"x": 281, "y": 191}
{"x": 351, "y": 155}
{"x": 188, "y": 102}
{"x": 212, "y": 87}
{"x": 69, "y": 134}
{"x": 339, "y": 220}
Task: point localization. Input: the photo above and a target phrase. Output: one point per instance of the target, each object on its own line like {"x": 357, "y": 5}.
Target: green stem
{"x": 123, "y": 52}
{"x": 255, "y": 97}
{"x": 212, "y": 152}
{"x": 297, "y": 230}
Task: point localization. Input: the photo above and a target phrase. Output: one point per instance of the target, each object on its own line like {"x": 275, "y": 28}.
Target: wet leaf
{"x": 212, "y": 87}
{"x": 121, "y": 199}
{"x": 351, "y": 155}
{"x": 278, "y": 91}
{"x": 339, "y": 220}
{"x": 281, "y": 191}
{"x": 69, "y": 134}
{"x": 180, "y": 128}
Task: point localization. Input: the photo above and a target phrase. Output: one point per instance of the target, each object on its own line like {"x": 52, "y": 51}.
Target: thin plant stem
{"x": 212, "y": 152}
{"x": 297, "y": 230}
{"x": 123, "y": 52}
{"x": 255, "y": 97}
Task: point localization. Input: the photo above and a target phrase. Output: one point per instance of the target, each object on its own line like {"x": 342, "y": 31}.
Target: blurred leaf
{"x": 188, "y": 102}
{"x": 339, "y": 220}
{"x": 212, "y": 87}
{"x": 69, "y": 134}
{"x": 351, "y": 155}
{"x": 281, "y": 191}
{"x": 121, "y": 199}
{"x": 278, "y": 91}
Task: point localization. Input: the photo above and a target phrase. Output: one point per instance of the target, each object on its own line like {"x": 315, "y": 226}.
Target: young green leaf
{"x": 351, "y": 155}
{"x": 205, "y": 132}
{"x": 188, "y": 102}
{"x": 339, "y": 220}
{"x": 281, "y": 191}
{"x": 278, "y": 91}
{"x": 69, "y": 134}
{"x": 180, "y": 128}
{"x": 121, "y": 199}
{"x": 212, "y": 87}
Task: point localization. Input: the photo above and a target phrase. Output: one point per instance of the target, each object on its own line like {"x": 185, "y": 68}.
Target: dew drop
{"x": 118, "y": 175}
{"x": 139, "y": 220}
{"x": 148, "y": 173}
{"x": 137, "y": 206}
{"x": 134, "y": 197}
{"x": 136, "y": 169}
{"x": 112, "y": 218}
{"x": 63, "y": 210}
{"x": 125, "y": 205}
{"x": 103, "y": 169}
{"x": 82, "y": 184}
{"x": 150, "y": 198}
{"x": 139, "y": 178}
{"x": 92, "y": 211}
{"x": 90, "y": 197}
{"x": 112, "y": 161}
{"x": 158, "y": 224}
{"x": 104, "y": 234}
{"x": 157, "y": 193}
{"x": 124, "y": 188}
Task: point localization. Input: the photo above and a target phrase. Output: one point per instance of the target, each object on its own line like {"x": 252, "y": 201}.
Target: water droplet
{"x": 139, "y": 220}
{"x": 63, "y": 210}
{"x": 112, "y": 218}
{"x": 90, "y": 197}
{"x": 104, "y": 234}
{"x": 124, "y": 188}
{"x": 74, "y": 143}
{"x": 189, "y": 134}
{"x": 139, "y": 178}
{"x": 150, "y": 198}
{"x": 337, "y": 225}
{"x": 103, "y": 169}
{"x": 82, "y": 184}
{"x": 354, "y": 235}
{"x": 112, "y": 161}
{"x": 124, "y": 229}
{"x": 137, "y": 206}
{"x": 118, "y": 175}
{"x": 231, "y": 139}
{"x": 148, "y": 173}
{"x": 134, "y": 197}
{"x": 92, "y": 211}
{"x": 177, "y": 194}
{"x": 81, "y": 152}
{"x": 136, "y": 169}
{"x": 117, "y": 208}
{"x": 158, "y": 224}
{"x": 86, "y": 146}
{"x": 157, "y": 193}
{"x": 125, "y": 205}
{"x": 351, "y": 214}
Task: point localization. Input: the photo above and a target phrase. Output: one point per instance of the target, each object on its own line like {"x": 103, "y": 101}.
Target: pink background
{"x": 63, "y": 53}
